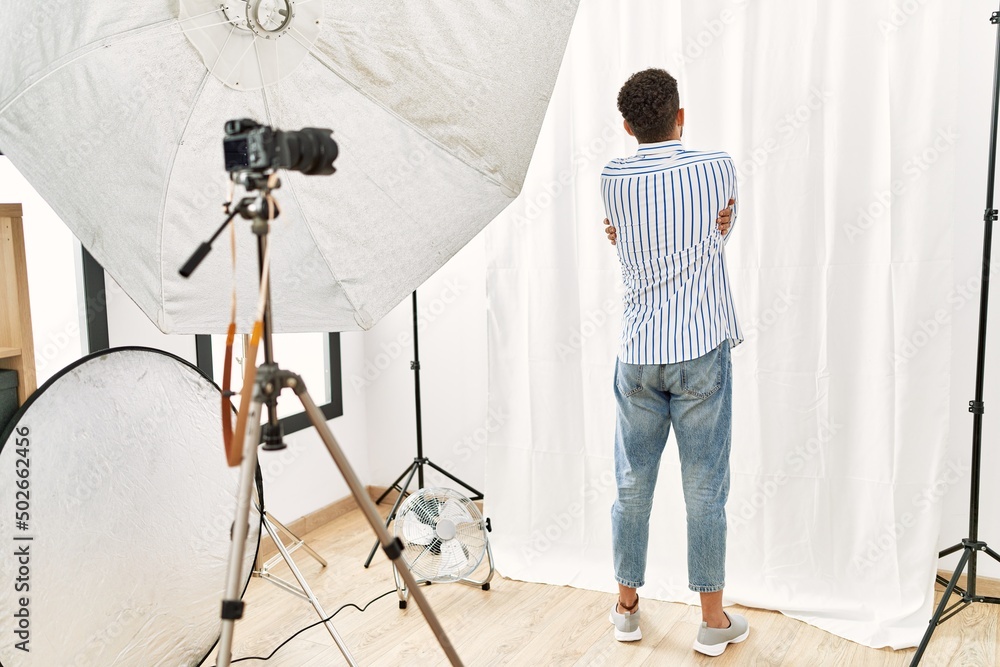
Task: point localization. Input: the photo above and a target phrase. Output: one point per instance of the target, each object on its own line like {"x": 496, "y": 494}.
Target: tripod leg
{"x": 391, "y": 546}
{"x": 478, "y": 494}
{"x": 395, "y": 507}
{"x": 402, "y": 489}
{"x": 311, "y": 597}
{"x": 993, "y": 554}
{"x": 941, "y": 607}
{"x": 232, "y": 605}
{"x": 298, "y": 540}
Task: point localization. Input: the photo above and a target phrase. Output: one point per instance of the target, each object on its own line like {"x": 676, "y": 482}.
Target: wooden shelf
{"x": 17, "y": 350}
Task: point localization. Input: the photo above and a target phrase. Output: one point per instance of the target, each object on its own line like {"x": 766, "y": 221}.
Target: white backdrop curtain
{"x": 842, "y": 118}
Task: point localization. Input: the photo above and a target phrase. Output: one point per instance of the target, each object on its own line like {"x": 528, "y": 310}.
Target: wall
{"x": 452, "y": 342}
{"x": 50, "y": 250}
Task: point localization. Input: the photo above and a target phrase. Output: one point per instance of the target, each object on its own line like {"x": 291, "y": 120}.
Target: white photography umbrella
{"x": 114, "y": 111}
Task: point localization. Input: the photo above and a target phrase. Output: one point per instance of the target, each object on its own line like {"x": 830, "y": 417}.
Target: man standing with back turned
{"x": 673, "y": 365}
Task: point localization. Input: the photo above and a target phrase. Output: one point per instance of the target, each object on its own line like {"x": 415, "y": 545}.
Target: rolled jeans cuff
{"x": 630, "y": 584}
{"x": 707, "y": 589}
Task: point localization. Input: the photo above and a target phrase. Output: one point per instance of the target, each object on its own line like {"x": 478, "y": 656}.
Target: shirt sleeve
{"x": 733, "y": 191}
{"x": 607, "y": 196}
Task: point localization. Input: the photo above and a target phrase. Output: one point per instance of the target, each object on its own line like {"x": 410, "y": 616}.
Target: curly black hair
{"x": 649, "y": 102}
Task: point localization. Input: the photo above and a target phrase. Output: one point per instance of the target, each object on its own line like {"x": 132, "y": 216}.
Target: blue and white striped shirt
{"x": 663, "y": 202}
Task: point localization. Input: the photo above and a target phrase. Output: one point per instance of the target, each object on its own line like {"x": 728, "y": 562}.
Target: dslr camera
{"x": 252, "y": 147}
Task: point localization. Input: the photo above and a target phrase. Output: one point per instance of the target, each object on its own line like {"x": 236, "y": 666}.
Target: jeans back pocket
{"x": 702, "y": 377}
{"x": 628, "y": 379}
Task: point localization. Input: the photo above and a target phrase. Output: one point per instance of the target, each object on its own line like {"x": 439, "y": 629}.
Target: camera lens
{"x": 316, "y": 151}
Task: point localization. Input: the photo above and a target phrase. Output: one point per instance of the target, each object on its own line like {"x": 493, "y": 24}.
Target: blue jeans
{"x": 696, "y": 397}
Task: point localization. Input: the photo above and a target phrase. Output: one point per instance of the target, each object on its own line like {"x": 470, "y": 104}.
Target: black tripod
{"x": 972, "y": 544}
{"x": 417, "y": 467}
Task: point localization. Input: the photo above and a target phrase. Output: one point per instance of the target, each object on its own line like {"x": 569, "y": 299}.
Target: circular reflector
{"x": 115, "y": 510}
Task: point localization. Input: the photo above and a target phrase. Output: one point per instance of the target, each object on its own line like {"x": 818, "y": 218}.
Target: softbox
{"x": 114, "y": 112}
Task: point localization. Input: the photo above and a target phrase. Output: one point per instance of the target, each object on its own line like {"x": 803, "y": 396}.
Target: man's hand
{"x": 723, "y": 222}
{"x": 725, "y": 219}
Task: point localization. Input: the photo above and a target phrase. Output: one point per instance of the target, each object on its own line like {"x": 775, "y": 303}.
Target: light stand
{"x": 275, "y": 529}
{"x": 268, "y": 384}
{"x": 972, "y": 545}
{"x": 417, "y": 467}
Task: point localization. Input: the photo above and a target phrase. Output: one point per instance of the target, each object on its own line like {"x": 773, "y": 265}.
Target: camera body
{"x": 250, "y": 146}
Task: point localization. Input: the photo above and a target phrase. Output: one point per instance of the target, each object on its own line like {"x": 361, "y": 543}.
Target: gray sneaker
{"x": 713, "y": 641}
{"x": 626, "y": 625}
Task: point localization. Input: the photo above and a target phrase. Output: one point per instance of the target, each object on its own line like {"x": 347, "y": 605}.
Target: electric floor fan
{"x": 444, "y": 539}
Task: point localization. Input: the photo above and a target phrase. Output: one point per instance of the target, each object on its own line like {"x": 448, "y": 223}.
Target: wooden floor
{"x": 518, "y": 623}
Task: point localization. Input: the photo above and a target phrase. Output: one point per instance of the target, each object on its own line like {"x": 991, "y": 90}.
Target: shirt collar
{"x": 660, "y": 147}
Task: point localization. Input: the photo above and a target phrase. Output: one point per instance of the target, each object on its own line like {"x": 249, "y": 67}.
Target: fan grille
{"x": 443, "y": 534}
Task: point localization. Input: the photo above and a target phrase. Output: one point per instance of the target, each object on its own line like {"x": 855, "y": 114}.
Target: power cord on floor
{"x": 310, "y": 627}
